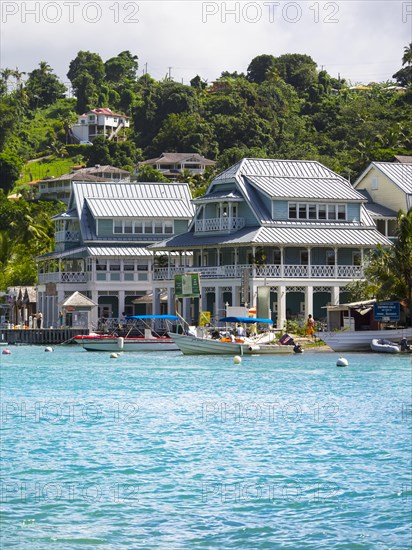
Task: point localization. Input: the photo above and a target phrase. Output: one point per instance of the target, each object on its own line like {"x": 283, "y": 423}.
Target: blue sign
{"x": 387, "y": 311}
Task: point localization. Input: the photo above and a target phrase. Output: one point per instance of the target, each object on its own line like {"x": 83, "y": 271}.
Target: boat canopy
{"x": 247, "y": 320}
{"x": 143, "y": 317}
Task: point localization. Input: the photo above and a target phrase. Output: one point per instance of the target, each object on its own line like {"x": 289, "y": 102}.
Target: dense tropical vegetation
{"x": 283, "y": 107}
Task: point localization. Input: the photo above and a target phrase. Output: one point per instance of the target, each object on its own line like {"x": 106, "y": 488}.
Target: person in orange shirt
{"x": 310, "y": 326}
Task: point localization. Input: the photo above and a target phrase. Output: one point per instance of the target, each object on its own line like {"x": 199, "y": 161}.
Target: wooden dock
{"x": 40, "y": 336}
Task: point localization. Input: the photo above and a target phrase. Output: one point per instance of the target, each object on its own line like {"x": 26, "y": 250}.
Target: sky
{"x": 360, "y": 40}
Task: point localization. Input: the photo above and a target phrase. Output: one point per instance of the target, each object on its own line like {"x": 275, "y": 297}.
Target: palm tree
{"x": 407, "y": 55}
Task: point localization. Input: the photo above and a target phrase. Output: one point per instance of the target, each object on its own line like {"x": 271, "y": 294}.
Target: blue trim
{"x": 246, "y": 320}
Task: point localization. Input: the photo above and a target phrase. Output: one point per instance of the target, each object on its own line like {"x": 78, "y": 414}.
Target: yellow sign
{"x": 204, "y": 318}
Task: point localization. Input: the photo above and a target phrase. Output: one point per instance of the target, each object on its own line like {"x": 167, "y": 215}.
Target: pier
{"x": 40, "y": 336}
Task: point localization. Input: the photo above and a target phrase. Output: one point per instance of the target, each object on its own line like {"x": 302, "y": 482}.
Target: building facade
{"x": 100, "y": 122}
{"x": 388, "y": 189}
{"x": 293, "y": 231}
{"x": 101, "y": 246}
{"x": 172, "y": 164}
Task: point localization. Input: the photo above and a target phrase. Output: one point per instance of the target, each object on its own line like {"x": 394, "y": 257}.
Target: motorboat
{"x": 142, "y": 333}
{"x": 228, "y": 344}
{"x": 360, "y": 340}
{"x": 382, "y": 345}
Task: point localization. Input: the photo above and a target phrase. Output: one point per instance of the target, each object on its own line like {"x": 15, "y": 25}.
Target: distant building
{"x": 60, "y": 188}
{"x": 172, "y": 164}
{"x": 99, "y": 122}
{"x": 387, "y": 186}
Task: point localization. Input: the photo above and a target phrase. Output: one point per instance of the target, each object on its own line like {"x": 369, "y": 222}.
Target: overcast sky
{"x": 363, "y": 40}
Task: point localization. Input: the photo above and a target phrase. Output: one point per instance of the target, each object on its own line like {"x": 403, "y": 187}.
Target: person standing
{"x": 310, "y": 326}
{"x": 39, "y": 318}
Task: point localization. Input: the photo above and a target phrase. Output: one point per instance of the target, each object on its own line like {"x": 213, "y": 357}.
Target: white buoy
{"x": 6, "y": 351}
{"x": 120, "y": 343}
{"x": 342, "y": 362}
{"x": 49, "y": 348}
{"x": 114, "y": 355}
{"x": 237, "y": 359}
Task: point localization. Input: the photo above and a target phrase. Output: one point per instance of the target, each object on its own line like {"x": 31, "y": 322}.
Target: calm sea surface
{"x": 166, "y": 451}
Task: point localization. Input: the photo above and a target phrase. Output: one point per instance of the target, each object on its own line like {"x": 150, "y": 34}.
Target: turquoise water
{"x": 166, "y": 451}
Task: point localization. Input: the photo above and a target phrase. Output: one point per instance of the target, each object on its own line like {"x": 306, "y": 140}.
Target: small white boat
{"x": 360, "y": 340}
{"x": 194, "y": 345}
{"x": 149, "y": 340}
{"x": 381, "y": 345}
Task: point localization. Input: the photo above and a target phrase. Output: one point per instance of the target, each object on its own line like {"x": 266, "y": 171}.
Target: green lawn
{"x": 47, "y": 167}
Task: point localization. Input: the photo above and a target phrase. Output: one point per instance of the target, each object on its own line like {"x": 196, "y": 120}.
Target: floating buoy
{"x": 49, "y": 348}
{"x": 342, "y": 362}
{"x": 6, "y": 351}
{"x": 237, "y": 359}
{"x": 114, "y": 355}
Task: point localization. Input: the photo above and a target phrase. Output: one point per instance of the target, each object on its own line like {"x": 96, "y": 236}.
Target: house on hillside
{"x": 99, "y": 122}
{"x": 172, "y": 164}
{"x": 290, "y": 234}
{"x": 60, "y": 188}
{"x": 387, "y": 186}
{"x": 101, "y": 246}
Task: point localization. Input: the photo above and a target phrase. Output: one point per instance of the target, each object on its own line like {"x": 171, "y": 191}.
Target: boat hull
{"x": 361, "y": 340}
{"x": 192, "y": 345}
{"x": 108, "y": 343}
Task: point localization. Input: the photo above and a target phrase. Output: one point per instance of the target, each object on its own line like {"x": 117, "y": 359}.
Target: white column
{"x": 336, "y": 262}
{"x": 171, "y": 309}
{"x": 309, "y": 262}
{"x": 282, "y": 261}
{"x": 309, "y": 301}
{"x": 334, "y": 295}
{"x": 281, "y": 316}
{"x": 217, "y": 301}
{"x": 156, "y": 301}
{"x": 121, "y": 299}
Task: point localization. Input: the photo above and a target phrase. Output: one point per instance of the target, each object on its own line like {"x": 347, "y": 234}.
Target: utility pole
{"x": 145, "y": 67}
{"x": 170, "y": 73}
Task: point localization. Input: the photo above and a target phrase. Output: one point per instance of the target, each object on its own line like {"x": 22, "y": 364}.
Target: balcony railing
{"x": 220, "y": 224}
{"x": 64, "y": 277}
{"x": 265, "y": 271}
{"x": 67, "y": 236}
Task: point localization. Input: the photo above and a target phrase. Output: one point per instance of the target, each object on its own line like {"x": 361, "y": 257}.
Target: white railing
{"x": 322, "y": 271}
{"x": 260, "y": 272}
{"x": 295, "y": 271}
{"x": 220, "y": 224}
{"x": 67, "y": 236}
{"x": 350, "y": 271}
{"x": 64, "y": 277}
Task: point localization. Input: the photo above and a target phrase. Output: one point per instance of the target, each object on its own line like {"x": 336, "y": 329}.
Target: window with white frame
{"x": 141, "y": 227}
{"x": 313, "y": 211}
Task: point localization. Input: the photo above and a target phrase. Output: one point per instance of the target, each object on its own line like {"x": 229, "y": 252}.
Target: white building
{"x": 100, "y": 122}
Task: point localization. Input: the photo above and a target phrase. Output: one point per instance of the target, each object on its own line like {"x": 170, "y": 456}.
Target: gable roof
{"x": 399, "y": 173}
{"x": 104, "y": 111}
{"x": 178, "y": 157}
{"x": 103, "y": 196}
{"x": 297, "y": 179}
{"x": 77, "y": 299}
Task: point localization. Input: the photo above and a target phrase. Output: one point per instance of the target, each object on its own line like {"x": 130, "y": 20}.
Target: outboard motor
{"x": 403, "y": 344}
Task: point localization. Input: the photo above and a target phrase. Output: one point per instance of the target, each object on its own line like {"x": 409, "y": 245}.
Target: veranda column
{"x": 309, "y": 300}
{"x": 217, "y": 302}
{"x": 121, "y": 303}
{"x": 334, "y": 295}
{"x": 156, "y": 301}
{"x": 281, "y": 317}
{"x": 187, "y": 313}
{"x": 171, "y": 308}
{"x": 94, "y": 314}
